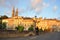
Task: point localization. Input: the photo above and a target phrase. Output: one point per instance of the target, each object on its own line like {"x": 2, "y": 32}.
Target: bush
{"x": 3, "y": 25}
{"x": 45, "y": 30}
{"x": 30, "y": 28}
{"x": 41, "y": 30}
{"x": 16, "y": 28}
{"x": 20, "y": 28}
{"x": 0, "y": 26}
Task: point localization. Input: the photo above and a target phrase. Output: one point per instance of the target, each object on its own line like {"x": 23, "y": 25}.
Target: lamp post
{"x": 35, "y": 22}
{"x": 36, "y": 28}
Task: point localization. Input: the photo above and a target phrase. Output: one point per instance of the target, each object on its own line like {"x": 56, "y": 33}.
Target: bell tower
{"x": 13, "y": 11}
{"x": 16, "y": 12}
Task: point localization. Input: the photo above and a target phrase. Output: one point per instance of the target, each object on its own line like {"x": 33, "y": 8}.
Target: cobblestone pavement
{"x": 47, "y": 36}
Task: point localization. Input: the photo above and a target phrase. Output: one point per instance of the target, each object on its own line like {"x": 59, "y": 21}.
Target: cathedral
{"x": 16, "y": 20}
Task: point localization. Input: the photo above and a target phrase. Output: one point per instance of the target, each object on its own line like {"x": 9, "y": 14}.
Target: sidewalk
{"x": 6, "y": 33}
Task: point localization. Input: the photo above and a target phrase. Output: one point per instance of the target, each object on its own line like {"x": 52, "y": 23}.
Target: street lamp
{"x": 35, "y": 22}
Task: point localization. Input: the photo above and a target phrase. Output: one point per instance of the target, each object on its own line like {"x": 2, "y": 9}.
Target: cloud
{"x": 2, "y": 2}
{"x": 45, "y": 4}
{"x": 38, "y": 9}
{"x": 21, "y": 10}
{"x": 53, "y": 0}
{"x": 8, "y": 3}
{"x": 35, "y": 3}
{"x": 38, "y": 5}
{"x": 55, "y": 8}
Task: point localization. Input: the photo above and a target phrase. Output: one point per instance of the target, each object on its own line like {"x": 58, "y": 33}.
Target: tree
{"x": 31, "y": 28}
{"x": 4, "y": 17}
{"x": 0, "y": 20}
{"x": 0, "y": 26}
{"x": 20, "y": 28}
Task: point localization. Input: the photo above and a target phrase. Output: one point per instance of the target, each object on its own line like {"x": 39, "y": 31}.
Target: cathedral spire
{"x": 13, "y": 11}
{"x": 16, "y": 12}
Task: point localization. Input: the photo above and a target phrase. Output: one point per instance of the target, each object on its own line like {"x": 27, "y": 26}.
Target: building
{"x": 16, "y": 20}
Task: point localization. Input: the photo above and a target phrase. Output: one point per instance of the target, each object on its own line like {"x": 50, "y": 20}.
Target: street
{"x": 47, "y": 36}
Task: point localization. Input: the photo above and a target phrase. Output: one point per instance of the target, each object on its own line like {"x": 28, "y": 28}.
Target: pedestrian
{"x": 37, "y": 31}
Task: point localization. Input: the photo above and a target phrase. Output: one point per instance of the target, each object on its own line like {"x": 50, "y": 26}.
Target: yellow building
{"x": 16, "y": 20}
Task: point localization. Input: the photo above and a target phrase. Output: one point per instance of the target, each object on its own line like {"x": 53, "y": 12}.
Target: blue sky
{"x": 31, "y": 8}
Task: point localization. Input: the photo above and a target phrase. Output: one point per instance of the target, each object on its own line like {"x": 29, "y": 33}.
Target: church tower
{"x": 16, "y": 12}
{"x": 13, "y": 11}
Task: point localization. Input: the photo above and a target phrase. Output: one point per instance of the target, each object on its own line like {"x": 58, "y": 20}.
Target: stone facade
{"x": 16, "y": 20}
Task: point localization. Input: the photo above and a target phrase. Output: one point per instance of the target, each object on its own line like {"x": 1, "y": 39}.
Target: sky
{"x": 31, "y": 8}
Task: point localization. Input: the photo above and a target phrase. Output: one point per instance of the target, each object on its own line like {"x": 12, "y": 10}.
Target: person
{"x": 37, "y": 31}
